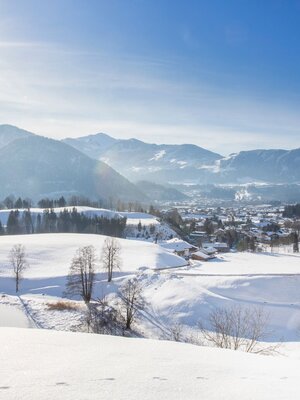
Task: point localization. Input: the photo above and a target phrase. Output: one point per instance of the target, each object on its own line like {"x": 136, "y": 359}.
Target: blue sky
{"x": 220, "y": 74}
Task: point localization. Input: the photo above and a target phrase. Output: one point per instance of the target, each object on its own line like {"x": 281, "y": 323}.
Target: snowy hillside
{"x": 278, "y": 166}
{"x": 182, "y": 295}
{"x": 50, "y": 255}
{"x": 39, "y": 364}
{"x": 139, "y": 160}
{"x": 162, "y": 163}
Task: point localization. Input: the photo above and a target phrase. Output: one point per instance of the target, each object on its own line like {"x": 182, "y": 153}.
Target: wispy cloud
{"x": 62, "y": 92}
{"x": 19, "y": 45}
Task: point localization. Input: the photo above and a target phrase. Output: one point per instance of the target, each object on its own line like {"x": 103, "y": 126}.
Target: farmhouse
{"x": 201, "y": 256}
{"x": 219, "y": 246}
{"x": 179, "y": 247}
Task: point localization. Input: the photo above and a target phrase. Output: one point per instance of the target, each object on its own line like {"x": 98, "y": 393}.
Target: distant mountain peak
{"x": 138, "y": 160}
{"x": 9, "y": 133}
{"x": 36, "y": 166}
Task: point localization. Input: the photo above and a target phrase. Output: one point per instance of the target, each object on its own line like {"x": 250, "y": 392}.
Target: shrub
{"x": 62, "y": 306}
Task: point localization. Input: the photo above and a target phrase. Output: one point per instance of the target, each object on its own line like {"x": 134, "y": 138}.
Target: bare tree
{"x": 132, "y": 300}
{"x": 17, "y": 258}
{"x": 237, "y": 328}
{"x": 177, "y": 332}
{"x": 111, "y": 256}
{"x": 80, "y": 280}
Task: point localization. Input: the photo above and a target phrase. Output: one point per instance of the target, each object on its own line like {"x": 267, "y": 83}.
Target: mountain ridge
{"x": 182, "y": 163}
{"x": 36, "y": 166}
{"x": 168, "y": 163}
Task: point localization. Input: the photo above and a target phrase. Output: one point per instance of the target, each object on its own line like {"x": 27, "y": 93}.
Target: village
{"x": 203, "y": 233}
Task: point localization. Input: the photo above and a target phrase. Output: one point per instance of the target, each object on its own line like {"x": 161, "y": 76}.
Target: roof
{"x": 210, "y": 250}
{"x": 220, "y": 245}
{"x": 176, "y": 245}
{"x": 201, "y": 255}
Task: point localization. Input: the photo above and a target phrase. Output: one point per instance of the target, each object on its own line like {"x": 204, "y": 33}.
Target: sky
{"x": 220, "y": 74}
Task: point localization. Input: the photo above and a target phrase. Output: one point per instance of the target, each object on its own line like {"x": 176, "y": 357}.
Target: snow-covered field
{"x": 82, "y": 366}
{"x": 50, "y": 254}
{"x": 49, "y": 257}
{"x": 175, "y": 294}
{"x": 244, "y": 263}
{"x": 41, "y": 364}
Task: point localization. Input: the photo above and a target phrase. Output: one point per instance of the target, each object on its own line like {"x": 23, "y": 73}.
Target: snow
{"x": 176, "y": 244}
{"x": 41, "y": 364}
{"x": 187, "y": 295}
{"x": 250, "y": 264}
{"x": 133, "y": 218}
{"x": 157, "y": 156}
{"x": 204, "y": 256}
{"x": 12, "y": 317}
{"x": 184, "y": 294}
{"x": 50, "y": 255}
{"x": 174, "y": 292}
{"x": 45, "y": 363}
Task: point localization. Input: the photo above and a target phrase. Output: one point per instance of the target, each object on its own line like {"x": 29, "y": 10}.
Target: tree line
{"x": 12, "y": 202}
{"x": 291, "y": 211}
{"x": 24, "y": 222}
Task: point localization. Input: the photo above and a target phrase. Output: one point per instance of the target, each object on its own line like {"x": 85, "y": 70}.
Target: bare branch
{"x": 238, "y": 328}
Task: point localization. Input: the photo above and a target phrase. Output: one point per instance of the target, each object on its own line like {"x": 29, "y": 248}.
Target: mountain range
{"x": 34, "y": 166}
{"x": 138, "y": 160}
{"x": 189, "y": 163}
{"x": 100, "y": 166}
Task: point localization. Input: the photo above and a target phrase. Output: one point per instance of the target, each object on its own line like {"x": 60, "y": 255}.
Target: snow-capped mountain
{"x": 138, "y": 160}
{"x": 23, "y": 154}
{"x": 277, "y": 166}
{"x": 163, "y": 163}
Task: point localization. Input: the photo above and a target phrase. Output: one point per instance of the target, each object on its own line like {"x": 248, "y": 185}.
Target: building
{"x": 201, "y": 256}
{"x": 179, "y": 247}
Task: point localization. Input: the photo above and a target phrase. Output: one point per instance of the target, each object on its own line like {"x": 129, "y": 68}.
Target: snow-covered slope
{"x": 183, "y": 295}
{"x": 278, "y": 166}
{"x": 189, "y": 163}
{"x": 41, "y": 364}
{"x": 139, "y": 160}
{"x": 50, "y": 255}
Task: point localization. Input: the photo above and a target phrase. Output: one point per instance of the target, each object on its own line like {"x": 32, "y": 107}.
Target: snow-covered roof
{"x": 202, "y": 255}
{"x": 210, "y": 250}
{"x": 176, "y": 244}
{"x": 220, "y": 245}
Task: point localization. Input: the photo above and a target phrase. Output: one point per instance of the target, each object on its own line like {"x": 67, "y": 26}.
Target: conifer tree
{"x": 296, "y": 243}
